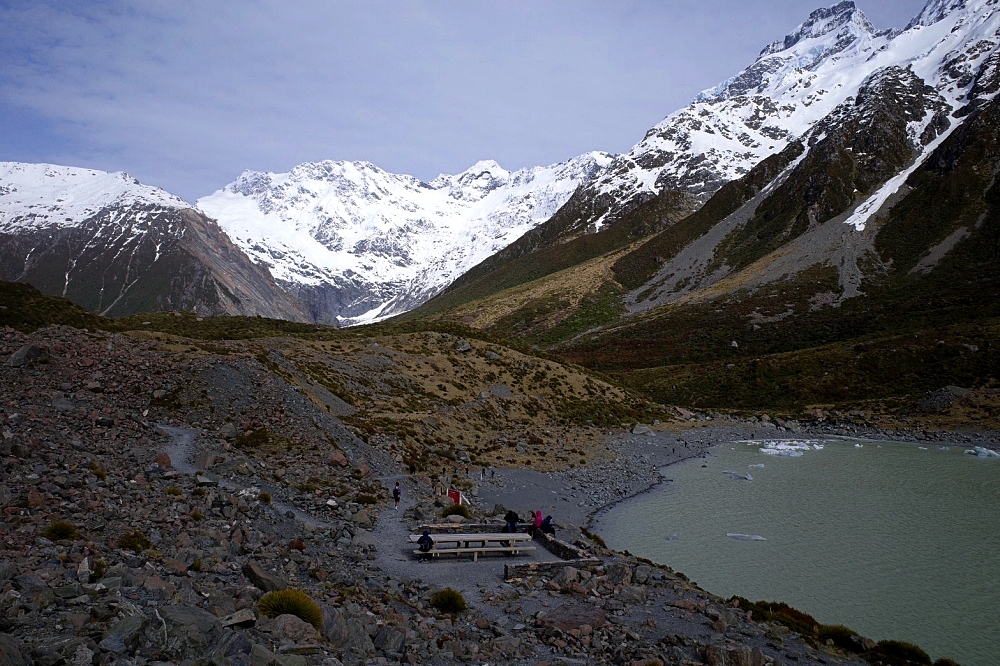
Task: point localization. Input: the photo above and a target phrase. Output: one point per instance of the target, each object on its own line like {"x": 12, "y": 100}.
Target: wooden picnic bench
{"x": 459, "y": 544}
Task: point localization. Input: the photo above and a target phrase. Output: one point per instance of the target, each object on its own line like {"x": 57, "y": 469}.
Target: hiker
{"x": 546, "y": 526}
{"x": 536, "y": 524}
{"x": 425, "y": 543}
{"x": 511, "y": 519}
{"x": 396, "y": 494}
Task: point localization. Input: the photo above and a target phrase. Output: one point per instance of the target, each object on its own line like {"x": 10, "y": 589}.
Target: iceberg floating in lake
{"x": 673, "y": 537}
{"x": 757, "y": 465}
{"x": 982, "y": 452}
{"x": 792, "y": 448}
{"x": 745, "y": 537}
{"x": 736, "y": 476}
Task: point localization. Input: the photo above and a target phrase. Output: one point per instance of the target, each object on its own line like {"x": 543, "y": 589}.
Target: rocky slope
{"x": 831, "y": 77}
{"x": 149, "y": 446}
{"x": 116, "y": 247}
{"x": 359, "y": 244}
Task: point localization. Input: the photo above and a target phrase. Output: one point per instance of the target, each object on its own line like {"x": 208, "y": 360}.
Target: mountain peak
{"x": 844, "y": 19}
{"x": 936, "y": 10}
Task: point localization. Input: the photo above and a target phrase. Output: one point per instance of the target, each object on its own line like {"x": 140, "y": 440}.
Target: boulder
{"x": 289, "y": 627}
{"x": 389, "y": 640}
{"x": 641, "y": 429}
{"x": 463, "y": 346}
{"x": 124, "y": 636}
{"x": 24, "y": 356}
{"x": 619, "y": 573}
{"x": 574, "y": 616}
{"x": 12, "y": 653}
{"x": 632, "y": 594}
{"x": 641, "y": 574}
{"x": 357, "y": 639}
{"x": 334, "y": 626}
{"x": 566, "y": 576}
{"x": 364, "y": 538}
{"x": 261, "y": 579}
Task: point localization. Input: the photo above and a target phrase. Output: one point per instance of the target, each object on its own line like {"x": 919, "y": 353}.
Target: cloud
{"x": 185, "y": 95}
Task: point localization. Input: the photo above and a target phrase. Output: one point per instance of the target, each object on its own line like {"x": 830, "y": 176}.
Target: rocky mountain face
{"x": 118, "y": 247}
{"x": 858, "y": 110}
{"x": 358, "y": 244}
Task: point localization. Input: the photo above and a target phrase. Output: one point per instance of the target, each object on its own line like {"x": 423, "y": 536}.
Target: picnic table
{"x": 490, "y": 542}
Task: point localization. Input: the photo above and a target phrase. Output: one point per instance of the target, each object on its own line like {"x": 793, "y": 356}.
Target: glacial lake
{"x": 893, "y": 540}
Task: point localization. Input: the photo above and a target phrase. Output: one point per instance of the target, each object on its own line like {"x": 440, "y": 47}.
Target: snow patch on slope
{"x": 326, "y": 222}
{"x": 45, "y": 195}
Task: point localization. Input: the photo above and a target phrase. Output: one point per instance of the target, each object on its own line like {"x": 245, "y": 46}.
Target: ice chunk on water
{"x": 745, "y": 537}
{"x": 792, "y": 448}
{"x": 982, "y": 452}
{"x": 737, "y": 476}
{"x": 673, "y": 537}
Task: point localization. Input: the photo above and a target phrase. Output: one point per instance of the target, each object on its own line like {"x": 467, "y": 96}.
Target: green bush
{"x": 841, "y": 636}
{"x": 456, "y": 510}
{"x": 901, "y": 653}
{"x": 135, "y": 541}
{"x": 448, "y": 601}
{"x": 291, "y": 602}
{"x": 61, "y": 530}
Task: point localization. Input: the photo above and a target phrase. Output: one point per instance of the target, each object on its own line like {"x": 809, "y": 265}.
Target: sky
{"x": 185, "y": 94}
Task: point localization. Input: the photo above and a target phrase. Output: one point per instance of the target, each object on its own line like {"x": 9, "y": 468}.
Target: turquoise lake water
{"x": 893, "y": 540}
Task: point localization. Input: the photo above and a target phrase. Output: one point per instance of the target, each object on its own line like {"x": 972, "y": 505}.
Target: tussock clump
{"x": 456, "y": 510}
{"x": 291, "y": 602}
{"x": 901, "y": 653}
{"x": 135, "y": 541}
{"x": 843, "y": 637}
{"x": 61, "y": 530}
{"x": 265, "y": 497}
{"x": 448, "y": 601}
{"x": 173, "y": 490}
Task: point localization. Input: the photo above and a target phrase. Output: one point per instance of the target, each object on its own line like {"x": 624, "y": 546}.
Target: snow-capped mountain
{"x": 794, "y": 84}
{"x": 358, "y": 244}
{"x": 115, "y": 246}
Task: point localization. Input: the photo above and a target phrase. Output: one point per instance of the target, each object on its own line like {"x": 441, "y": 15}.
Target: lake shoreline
{"x": 641, "y": 461}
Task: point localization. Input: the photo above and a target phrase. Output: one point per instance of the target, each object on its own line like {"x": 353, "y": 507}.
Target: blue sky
{"x": 186, "y": 95}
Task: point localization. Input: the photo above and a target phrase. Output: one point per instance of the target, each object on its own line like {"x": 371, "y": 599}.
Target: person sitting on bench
{"x": 425, "y": 543}
{"x": 511, "y": 519}
{"x": 546, "y": 526}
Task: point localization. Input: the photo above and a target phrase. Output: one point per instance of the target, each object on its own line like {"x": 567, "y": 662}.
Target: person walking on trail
{"x": 396, "y": 495}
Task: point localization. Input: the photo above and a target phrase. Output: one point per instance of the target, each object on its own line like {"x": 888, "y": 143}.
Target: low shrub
{"x": 61, "y": 530}
{"x": 456, "y": 510}
{"x": 776, "y": 611}
{"x": 99, "y": 473}
{"x": 842, "y": 637}
{"x": 448, "y": 601}
{"x": 945, "y": 661}
{"x": 291, "y": 602}
{"x": 173, "y": 490}
{"x": 195, "y": 566}
{"x": 901, "y": 653}
{"x": 265, "y": 497}
{"x": 135, "y": 541}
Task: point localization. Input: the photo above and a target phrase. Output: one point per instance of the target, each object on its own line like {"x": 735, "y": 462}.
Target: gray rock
{"x": 641, "y": 574}
{"x": 227, "y": 431}
{"x": 245, "y": 617}
{"x": 619, "y": 573}
{"x": 123, "y": 636}
{"x": 566, "y": 576}
{"x": 641, "y": 429}
{"x": 12, "y": 653}
{"x": 389, "y": 640}
{"x": 574, "y": 616}
{"x": 334, "y": 626}
{"x": 261, "y": 579}
{"x": 24, "y": 356}
{"x": 463, "y": 346}
{"x": 358, "y": 641}
{"x": 190, "y": 630}
{"x": 632, "y": 594}
{"x": 364, "y": 538}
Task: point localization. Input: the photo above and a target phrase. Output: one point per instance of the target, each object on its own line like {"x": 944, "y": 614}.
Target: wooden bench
{"x": 460, "y": 544}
